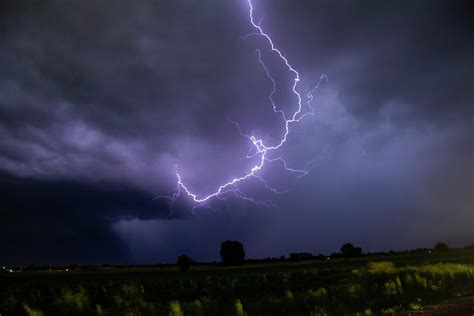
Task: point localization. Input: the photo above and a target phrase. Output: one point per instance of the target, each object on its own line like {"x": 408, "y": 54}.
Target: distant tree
{"x": 232, "y": 252}
{"x": 441, "y": 246}
{"x": 320, "y": 257}
{"x": 335, "y": 255}
{"x": 184, "y": 263}
{"x": 420, "y": 251}
{"x": 301, "y": 256}
{"x": 348, "y": 250}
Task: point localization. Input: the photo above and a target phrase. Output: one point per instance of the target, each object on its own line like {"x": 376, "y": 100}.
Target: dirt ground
{"x": 456, "y": 307}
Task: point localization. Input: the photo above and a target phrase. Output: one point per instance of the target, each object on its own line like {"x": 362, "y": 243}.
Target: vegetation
{"x": 367, "y": 285}
{"x": 232, "y": 252}
{"x": 184, "y": 263}
{"x": 348, "y": 250}
{"x": 441, "y": 246}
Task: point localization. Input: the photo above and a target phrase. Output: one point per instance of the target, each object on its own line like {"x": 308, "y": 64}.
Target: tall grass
{"x": 343, "y": 287}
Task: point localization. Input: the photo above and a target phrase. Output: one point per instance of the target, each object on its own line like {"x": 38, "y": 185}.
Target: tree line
{"x": 232, "y": 253}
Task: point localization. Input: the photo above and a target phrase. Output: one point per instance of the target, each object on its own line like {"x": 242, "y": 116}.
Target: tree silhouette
{"x": 441, "y": 246}
{"x": 301, "y": 256}
{"x": 348, "y": 250}
{"x": 184, "y": 263}
{"x": 232, "y": 252}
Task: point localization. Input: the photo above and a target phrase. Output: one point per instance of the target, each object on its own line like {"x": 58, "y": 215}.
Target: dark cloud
{"x": 59, "y": 221}
{"x": 117, "y": 92}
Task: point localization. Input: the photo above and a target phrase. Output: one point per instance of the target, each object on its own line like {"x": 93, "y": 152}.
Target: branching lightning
{"x": 259, "y": 147}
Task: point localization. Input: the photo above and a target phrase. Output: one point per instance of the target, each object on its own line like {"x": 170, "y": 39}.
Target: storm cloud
{"x": 99, "y": 101}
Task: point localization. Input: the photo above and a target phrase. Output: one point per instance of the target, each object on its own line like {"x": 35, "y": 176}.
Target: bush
{"x": 393, "y": 287}
{"x": 441, "y": 246}
{"x": 32, "y": 312}
{"x": 381, "y": 266}
{"x": 239, "y": 308}
{"x": 184, "y": 263}
{"x": 348, "y": 250}
{"x": 175, "y": 309}
{"x": 72, "y": 303}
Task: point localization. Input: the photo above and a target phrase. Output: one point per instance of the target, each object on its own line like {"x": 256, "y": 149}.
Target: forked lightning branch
{"x": 262, "y": 149}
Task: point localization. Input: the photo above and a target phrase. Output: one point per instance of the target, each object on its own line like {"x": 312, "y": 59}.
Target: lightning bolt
{"x": 259, "y": 147}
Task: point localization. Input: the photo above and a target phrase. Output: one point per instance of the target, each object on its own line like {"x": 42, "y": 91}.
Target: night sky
{"x": 99, "y": 100}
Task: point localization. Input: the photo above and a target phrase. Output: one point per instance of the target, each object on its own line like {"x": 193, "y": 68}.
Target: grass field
{"x": 374, "y": 285}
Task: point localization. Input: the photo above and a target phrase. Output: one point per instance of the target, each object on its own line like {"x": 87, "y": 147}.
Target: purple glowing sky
{"x": 99, "y": 102}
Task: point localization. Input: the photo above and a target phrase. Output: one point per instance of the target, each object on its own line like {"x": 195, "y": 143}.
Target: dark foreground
{"x": 424, "y": 284}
